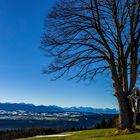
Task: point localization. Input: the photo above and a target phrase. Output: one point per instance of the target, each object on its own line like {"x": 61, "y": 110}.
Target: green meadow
{"x": 96, "y": 134}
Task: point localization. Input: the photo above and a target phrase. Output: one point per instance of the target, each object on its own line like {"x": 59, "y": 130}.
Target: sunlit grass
{"x": 96, "y": 134}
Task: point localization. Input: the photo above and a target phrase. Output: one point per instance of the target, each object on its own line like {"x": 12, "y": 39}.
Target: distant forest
{"x": 24, "y": 133}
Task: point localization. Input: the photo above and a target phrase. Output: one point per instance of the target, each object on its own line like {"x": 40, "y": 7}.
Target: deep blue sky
{"x": 21, "y": 62}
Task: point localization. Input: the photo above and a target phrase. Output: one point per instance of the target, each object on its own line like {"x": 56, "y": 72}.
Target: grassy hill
{"x": 98, "y": 134}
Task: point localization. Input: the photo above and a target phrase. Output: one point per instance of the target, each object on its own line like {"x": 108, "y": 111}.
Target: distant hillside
{"x": 42, "y": 108}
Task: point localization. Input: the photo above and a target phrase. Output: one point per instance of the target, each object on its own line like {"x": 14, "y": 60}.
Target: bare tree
{"x": 89, "y": 37}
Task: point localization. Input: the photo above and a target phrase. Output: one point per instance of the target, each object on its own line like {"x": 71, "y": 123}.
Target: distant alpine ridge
{"x": 53, "y": 108}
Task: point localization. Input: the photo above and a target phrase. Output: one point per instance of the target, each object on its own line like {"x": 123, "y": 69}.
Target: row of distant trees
{"x": 112, "y": 123}
{"x": 25, "y": 133}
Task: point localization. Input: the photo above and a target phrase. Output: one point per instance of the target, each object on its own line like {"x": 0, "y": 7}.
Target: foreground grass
{"x": 97, "y": 134}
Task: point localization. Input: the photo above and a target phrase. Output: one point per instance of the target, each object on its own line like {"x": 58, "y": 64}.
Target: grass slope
{"x": 93, "y": 135}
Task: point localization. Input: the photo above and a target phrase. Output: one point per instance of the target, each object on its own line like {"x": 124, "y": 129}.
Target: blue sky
{"x": 21, "y": 62}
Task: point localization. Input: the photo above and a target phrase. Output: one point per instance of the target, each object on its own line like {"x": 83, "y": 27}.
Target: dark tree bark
{"x": 126, "y": 114}
{"x": 90, "y": 37}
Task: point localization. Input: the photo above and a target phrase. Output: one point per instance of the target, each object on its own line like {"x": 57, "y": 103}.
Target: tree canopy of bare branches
{"x": 89, "y": 37}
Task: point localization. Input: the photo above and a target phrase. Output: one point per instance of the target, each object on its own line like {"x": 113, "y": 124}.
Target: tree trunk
{"x": 125, "y": 114}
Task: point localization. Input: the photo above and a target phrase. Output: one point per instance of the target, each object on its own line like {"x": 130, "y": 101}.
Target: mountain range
{"x": 53, "y": 108}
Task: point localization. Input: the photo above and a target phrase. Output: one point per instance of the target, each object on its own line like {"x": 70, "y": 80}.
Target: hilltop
{"x": 96, "y": 134}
